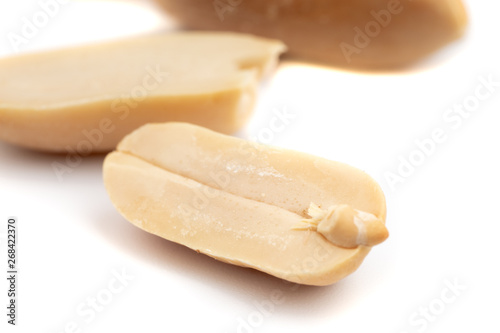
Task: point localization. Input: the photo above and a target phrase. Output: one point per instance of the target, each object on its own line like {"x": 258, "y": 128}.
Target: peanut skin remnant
{"x": 86, "y": 99}
{"x": 368, "y": 34}
{"x": 292, "y": 215}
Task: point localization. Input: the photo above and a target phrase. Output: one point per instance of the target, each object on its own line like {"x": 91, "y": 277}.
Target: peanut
{"x": 292, "y": 215}
{"x": 360, "y": 34}
{"x": 89, "y": 97}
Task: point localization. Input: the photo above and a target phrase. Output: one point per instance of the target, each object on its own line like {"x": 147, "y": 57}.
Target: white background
{"x": 443, "y": 219}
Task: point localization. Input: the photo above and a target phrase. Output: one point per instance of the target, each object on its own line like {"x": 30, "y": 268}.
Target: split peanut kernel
{"x": 242, "y": 202}
{"x": 92, "y": 96}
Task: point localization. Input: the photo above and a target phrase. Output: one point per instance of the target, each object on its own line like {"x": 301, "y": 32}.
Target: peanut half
{"x": 292, "y": 215}
{"x": 88, "y": 98}
{"x": 369, "y": 34}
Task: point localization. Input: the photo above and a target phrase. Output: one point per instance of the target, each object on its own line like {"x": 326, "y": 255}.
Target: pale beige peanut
{"x": 241, "y": 202}
{"x": 56, "y": 100}
{"x": 321, "y": 30}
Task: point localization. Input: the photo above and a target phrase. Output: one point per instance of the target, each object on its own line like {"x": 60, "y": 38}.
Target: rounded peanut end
{"x": 458, "y": 17}
{"x": 377, "y": 232}
{"x": 349, "y": 228}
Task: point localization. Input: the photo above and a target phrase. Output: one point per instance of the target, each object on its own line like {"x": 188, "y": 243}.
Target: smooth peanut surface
{"x": 88, "y": 98}
{"x": 370, "y": 34}
{"x": 245, "y": 203}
